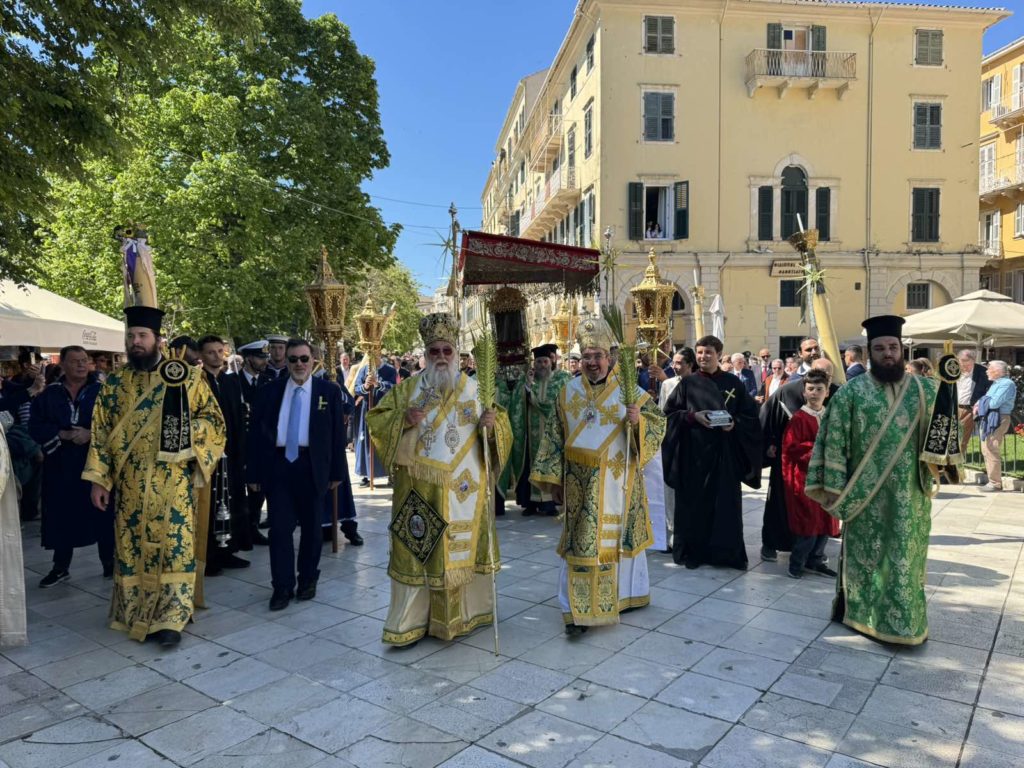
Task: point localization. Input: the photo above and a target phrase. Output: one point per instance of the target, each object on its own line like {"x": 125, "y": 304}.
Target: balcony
{"x": 1008, "y": 113}
{"x": 1008, "y": 183}
{"x": 991, "y": 249}
{"x": 557, "y": 197}
{"x": 808, "y": 70}
{"x": 547, "y": 143}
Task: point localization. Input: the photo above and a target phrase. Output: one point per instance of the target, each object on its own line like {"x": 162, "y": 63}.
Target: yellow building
{"x": 708, "y": 128}
{"x": 1001, "y": 170}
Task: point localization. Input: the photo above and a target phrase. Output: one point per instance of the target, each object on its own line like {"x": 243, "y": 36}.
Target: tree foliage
{"x": 244, "y": 157}
{"x": 62, "y": 63}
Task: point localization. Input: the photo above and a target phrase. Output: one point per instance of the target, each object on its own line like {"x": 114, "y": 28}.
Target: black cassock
{"x": 775, "y": 415}
{"x": 227, "y": 389}
{"x": 706, "y": 466}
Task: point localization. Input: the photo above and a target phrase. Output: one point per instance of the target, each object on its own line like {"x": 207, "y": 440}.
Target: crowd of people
{"x": 175, "y": 464}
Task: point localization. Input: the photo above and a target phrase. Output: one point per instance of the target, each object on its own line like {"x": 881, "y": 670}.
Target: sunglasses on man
{"x": 298, "y": 359}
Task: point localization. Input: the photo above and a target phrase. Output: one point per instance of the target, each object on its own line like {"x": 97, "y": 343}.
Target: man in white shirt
{"x": 970, "y": 388}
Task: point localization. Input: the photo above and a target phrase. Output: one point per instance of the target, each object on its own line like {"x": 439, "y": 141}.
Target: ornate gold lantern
{"x": 326, "y": 297}
{"x": 371, "y": 324}
{"x": 563, "y": 328}
{"x": 653, "y": 301}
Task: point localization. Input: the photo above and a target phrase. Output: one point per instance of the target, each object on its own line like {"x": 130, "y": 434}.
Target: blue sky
{"x": 446, "y": 72}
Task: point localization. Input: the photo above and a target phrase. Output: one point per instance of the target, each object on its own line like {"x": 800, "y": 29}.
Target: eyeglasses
{"x": 597, "y": 357}
{"x": 298, "y": 359}
{"x": 766, "y": 357}
{"x": 439, "y": 351}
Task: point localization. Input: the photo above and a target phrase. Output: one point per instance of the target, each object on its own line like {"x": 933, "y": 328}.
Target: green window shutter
{"x": 651, "y": 34}
{"x": 652, "y": 116}
{"x": 636, "y": 210}
{"x": 929, "y": 47}
{"x": 681, "y": 198}
{"x": 774, "y": 37}
{"x": 920, "y": 126}
{"x": 765, "y": 212}
{"x": 818, "y": 39}
{"x": 823, "y": 213}
{"x": 935, "y": 126}
{"x": 667, "y": 42}
{"x": 668, "y": 128}
{"x": 925, "y": 215}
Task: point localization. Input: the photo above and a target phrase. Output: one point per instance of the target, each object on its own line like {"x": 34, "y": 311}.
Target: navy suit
{"x": 296, "y": 490}
{"x": 855, "y": 370}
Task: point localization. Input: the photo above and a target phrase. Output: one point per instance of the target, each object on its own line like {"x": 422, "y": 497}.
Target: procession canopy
{"x": 487, "y": 259}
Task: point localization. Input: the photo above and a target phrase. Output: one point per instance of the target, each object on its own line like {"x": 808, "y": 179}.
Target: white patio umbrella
{"x": 981, "y": 317}
{"x": 717, "y": 311}
{"x": 34, "y": 317}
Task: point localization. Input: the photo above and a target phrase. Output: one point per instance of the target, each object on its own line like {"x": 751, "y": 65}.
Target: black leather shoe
{"x": 258, "y": 537}
{"x": 279, "y": 600}
{"x": 167, "y": 638}
{"x": 306, "y": 593}
{"x": 364, "y": 483}
{"x": 351, "y": 530}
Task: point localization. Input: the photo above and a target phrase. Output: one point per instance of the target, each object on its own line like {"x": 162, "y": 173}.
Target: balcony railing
{"x": 991, "y": 249}
{"x": 547, "y": 142}
{"x": 559, "y": 193}
{"x": 1005, "y": 182}
{"x": 813, "y": 70}
{"x": 1009, "y": 112}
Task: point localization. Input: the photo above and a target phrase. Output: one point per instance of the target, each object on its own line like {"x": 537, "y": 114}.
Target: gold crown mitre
{"x": 438, "y": 326}
{"x": 595, "y": 332}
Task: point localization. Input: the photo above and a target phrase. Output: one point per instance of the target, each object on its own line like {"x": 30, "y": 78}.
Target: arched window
{"x": 794, "y": 200}
{"x": 677, "y": 302}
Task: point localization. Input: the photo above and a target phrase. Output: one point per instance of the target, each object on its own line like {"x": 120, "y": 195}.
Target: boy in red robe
{"x": 810, "y": 524}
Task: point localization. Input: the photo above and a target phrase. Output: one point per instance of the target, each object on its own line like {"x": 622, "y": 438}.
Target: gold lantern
{"x": 326, "y": 297}
{"x": 563, "y": 328}
{"x": 371, "y": 324}
{"x": 652, "y": 299}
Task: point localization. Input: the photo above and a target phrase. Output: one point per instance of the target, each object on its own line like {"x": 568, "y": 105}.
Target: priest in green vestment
{"x": 430, "y": 432}
{"x": 868, "y": 469}
{"x": 157, "y": 435}
{"x": 584, "y": 460}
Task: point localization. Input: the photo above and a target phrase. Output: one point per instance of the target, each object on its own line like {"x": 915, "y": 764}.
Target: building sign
{"x": 788, "y": 268}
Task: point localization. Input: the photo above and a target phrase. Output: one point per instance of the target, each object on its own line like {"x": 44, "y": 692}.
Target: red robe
{"x": 806, "y": 517}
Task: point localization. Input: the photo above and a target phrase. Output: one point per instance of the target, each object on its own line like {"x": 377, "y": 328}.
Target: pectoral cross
{"x": 729, "y": 395}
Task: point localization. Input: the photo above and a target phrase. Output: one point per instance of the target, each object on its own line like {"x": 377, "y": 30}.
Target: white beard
{"x": 441, "y": 380}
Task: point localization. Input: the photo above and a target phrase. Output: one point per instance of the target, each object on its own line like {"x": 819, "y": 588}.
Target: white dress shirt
{"x": 964, "y": 388}
{"x": 286, "y": 408}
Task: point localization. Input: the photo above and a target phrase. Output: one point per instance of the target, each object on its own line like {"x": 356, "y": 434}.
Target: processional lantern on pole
{"x": 652, "y": 299}
{"x": 371, "y": 325}
{"x": 326, "y": 297}
{"x": 563, "y": 329}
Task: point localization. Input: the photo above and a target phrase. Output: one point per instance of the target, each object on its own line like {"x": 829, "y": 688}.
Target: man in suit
{"x": 854, "y": 359}
{"x": 970, "y": 388}
{"x": 810, "y": 351}
{"x": 296, "y": 455}
{"x": 251, "y": 378}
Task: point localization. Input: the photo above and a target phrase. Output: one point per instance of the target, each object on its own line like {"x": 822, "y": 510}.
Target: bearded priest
{"x": 430, "y": 430}
{"x": 584, "y": 461}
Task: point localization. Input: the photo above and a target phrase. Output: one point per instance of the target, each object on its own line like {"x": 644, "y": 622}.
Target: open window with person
{"x": 659, "y": 211}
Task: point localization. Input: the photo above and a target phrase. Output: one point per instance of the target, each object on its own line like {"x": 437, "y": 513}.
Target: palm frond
{"x": 628, "y": 377}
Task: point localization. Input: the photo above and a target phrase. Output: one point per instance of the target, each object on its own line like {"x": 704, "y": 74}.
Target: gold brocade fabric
{"x": 154, "y": 575}
{"x": 441, "y": 460}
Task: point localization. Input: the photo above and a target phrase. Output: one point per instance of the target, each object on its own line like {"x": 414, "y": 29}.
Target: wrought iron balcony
{"x": 809, "y": 70}
{"x": 558, "y": 195}
{"x": 1007, "y": 183}
{"x": 1008, "y": 113}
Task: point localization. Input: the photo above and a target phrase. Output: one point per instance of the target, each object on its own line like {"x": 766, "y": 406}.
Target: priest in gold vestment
{"x": 429, "y": 431}
{"x": 584, "y": 460}
{"x": 157, "y": 434}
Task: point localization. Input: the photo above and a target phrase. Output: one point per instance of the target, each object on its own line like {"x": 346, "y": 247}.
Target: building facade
{"x": 712, "y": 130}
{"x": 1001, "y": 170}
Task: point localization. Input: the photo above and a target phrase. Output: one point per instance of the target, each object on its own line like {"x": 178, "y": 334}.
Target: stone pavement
{"x": 723, "y": 670}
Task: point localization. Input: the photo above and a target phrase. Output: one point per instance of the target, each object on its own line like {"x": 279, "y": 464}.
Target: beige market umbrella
{"x": 33, "y": 317}
{"x": 981, "y": 317}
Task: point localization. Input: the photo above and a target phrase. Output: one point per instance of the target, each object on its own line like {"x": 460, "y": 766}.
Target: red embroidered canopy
{"x": 487, "y": 259}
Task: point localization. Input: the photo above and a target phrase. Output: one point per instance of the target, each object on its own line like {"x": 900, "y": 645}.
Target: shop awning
{"x": 487, "y": 259}
{"x": 34, "y": 317}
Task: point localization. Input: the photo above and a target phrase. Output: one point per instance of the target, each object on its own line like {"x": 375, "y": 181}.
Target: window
{"x": 588, "y": 129}
{"x": 659, "y": 116}
{"x": 789, "y": 293}
{"x": 925, "y": 215}
{"x": 928, "y": 48}
{"x": 765, "y": 213}
{"x": 918, "y": 296}
{"x": 987, "y": 168}
{"x": 1020, "y": 154}
{"x": 991, "y": 239}
{"x": 572, "y": 83}
{"x": 655, "y": 203}
{"x": 1018, "y": 221}
{"x": 522, "y": 172}
{"x": 794, "y": 201}
{"x": 570, "y": 147}
{"x": 590, "y": 53}
{"x": 659, "y": 34}
{"x": 823, "y": 213}
{"x": 991, "y": 92}
{"x": 681, "y": 203}
{"x": 789, "y": 346}
{"x": 927, "y": 126}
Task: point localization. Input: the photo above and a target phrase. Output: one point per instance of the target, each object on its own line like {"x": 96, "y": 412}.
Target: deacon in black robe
{"x": 775, "y": 415}
{"x": 707, "y": 465}
{"x": 228, "y": 480}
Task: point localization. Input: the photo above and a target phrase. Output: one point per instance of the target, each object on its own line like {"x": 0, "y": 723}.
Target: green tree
{"x": 391, "y": 287}
{"x": 62, "y": 61}
{"x": 244, "y": 159}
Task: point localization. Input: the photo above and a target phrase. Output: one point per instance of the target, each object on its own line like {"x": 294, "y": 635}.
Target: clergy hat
{"x": 256, "y": 348}
{"x": 138, "y": 316}
{"x": 544, "y": 350}
{"x": 438, "y": 326}
{"x": 594, "y": 332}
{"x": 884, "y": 325}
